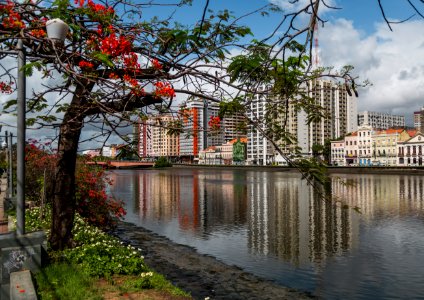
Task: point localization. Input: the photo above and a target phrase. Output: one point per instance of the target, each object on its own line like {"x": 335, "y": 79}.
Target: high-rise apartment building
{"x": 196, "y": 136}
{"x": 233, "y": 127}
{"x": 419, "y": 119}
{"x": 380, "y": 120}
{"x": 143, "y": 134}
{"x": 339, "y": 109}
{"x": 259, "y": 150}
{"x": 154, "y": 140}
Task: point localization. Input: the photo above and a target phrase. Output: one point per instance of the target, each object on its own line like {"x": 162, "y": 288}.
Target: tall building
{"x": 233, "y": 127}
{"x": 380, "y": 120}
{"x": 154, "y": 140}
{"x": 419, "y": 119}
{"x": 259, "y": 150}
{"x": 340, "y": 111}
{"x": 196, "y": 136}
{"x": 143, "y": 134}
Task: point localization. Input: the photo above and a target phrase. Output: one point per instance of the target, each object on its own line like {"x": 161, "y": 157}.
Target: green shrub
{"x": 162, "y": 162}
{"x": 98, "y": 253}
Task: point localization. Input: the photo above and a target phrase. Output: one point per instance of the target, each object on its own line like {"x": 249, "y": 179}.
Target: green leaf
{"x": 10, "y": 103}
{"x": 104, "y": 58}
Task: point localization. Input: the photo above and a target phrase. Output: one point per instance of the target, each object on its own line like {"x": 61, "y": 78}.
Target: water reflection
{"x": 275, "y": 222}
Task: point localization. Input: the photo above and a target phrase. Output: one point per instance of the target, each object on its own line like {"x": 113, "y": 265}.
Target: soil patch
{"x": 201, "y": 275}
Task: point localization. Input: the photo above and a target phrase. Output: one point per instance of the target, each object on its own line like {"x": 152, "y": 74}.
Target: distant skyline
{"x": 354, "y": 35}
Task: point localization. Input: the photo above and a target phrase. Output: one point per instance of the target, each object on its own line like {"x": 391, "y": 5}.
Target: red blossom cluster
{"x": 136, "y": 89}
{"x": 214, "y": 123}
{"x": 156, "y": 64}
{"x": 38, "y": 33}
{"x": 85, "y": 65}
{"x": 164, "y": 89}
{"x": 6, "y": 88}
{"x": 115, "y": 46}
{"x": 95, "y": 9}
{"x": 10, "y": 18}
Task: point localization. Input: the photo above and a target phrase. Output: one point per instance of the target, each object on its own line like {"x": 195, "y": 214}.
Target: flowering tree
{"x": 114, "y": 62}
{"x": 92, "y": 202}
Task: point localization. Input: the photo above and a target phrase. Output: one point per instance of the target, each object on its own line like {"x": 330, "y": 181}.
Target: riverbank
{"x": 331, "y": 170}
{"x": 201, "y": 275}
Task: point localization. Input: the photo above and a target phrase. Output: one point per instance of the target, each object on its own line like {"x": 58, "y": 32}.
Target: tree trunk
{"x": 63, "y": 188}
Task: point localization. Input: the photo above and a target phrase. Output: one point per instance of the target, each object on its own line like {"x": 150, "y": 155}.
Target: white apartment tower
{"x": 340, "y": 118}
{"x": 259, "y": 149}
{"x": 380, "y": 120}
{"x": 196, "y": 136}
{"x": 340, "y": 112}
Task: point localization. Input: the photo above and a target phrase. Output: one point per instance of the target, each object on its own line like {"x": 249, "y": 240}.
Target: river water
{"x": 274, "y": 225}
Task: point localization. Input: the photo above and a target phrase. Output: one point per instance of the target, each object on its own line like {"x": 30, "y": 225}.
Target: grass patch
{"x": 64, "y": 281}
{"x": 76, "y": 273}
{"x": 152, "y": 280}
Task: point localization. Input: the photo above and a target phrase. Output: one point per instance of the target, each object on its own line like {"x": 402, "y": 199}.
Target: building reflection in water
{"x": 283, "y": 216}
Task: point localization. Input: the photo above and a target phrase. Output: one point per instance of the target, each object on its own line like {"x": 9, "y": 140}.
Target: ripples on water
{"x": 274, "y": 225}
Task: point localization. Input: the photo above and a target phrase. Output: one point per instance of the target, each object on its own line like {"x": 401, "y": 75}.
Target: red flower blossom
{"x": 164, "y": 90}
{"x": 6, "y": 88}
{"x": 85, "y": 64}
{"x": 156, "y": 64}
{"x": 214, "y": 123}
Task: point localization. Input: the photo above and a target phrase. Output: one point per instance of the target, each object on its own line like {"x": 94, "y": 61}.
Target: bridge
{"x": 122, "y": 164}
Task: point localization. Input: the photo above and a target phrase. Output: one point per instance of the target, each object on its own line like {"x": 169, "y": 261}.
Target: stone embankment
{"x": 201, "y": 275}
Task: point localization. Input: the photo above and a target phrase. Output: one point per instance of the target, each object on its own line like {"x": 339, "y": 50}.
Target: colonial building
{"x": 410, "y": 152}
{"x": 338, "y": 153}
{"x": 232, "y": 152}
{"x": 351, "y": 148}
{"x": 385, "y": 146}
{"x": 365, "y": 145}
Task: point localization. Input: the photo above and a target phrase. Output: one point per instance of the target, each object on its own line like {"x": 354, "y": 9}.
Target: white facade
{"x": 259, "y": 150}
{"x": 339, "y": 111}
{"x": 410, "y": 152}
{"x": 338, "y": 153}
{"x": 380, "y": 120}
{"x": 196, "y": 135}
{"x": 365, "y": 145}
{"x": 351, "y": 149}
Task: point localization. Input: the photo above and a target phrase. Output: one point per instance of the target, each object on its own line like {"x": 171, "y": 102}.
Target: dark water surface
{"x": 272, "y": 224}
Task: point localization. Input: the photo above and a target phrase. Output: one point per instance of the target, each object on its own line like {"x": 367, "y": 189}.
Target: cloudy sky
{"x": 355, "y": 34}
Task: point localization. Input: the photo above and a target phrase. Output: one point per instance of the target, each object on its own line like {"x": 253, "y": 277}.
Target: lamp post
{"x": 56, "y": 31}
{"x": 10, "y": 163}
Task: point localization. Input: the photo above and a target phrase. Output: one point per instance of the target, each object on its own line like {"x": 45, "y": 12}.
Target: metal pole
{"x": 10, "y": 144}
{"x": 20, "y": 197}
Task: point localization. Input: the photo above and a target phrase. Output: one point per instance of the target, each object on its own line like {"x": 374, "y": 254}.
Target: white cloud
{"x": 294, "y": 6}
{"x": 392, "y": 61}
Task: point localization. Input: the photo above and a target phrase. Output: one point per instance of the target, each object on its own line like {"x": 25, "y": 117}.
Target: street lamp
{"x": 56, "y": 31}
